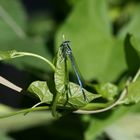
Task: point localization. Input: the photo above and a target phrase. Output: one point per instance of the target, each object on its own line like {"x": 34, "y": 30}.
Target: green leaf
{"x": 72, "y": 2}
{"x": 98, "y": 122}
{"x": 132, "y": 58}
{"x": 74, "y": 96}
{"x": 132, "y": 26}
{"x": 135, "y": 41}
{"x": 12, "y": 20}
{"x": 133, "y": 95}
{"x": 5, "y": 137}
{"x": 121, "y": 129}
{"x": 107, "y": 90}
{"x": 95, "y": 48}
{"x": 59, "y": 75}
{"x": 41, "y": 90}
{"x": 13, "y": 37}
{"x": 5, "y": 109}
{"x": 41, "y": 25}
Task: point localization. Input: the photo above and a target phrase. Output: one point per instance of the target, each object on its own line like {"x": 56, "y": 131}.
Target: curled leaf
{"x": 72, "y": 96}
{"x": 75, "y": 98}
{"x": 59, "y": 75}
{"x": 107, "y": 90}
{"x": 41, "y": 90}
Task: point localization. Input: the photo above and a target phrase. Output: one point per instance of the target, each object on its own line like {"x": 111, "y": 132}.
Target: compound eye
{"x": 66, "y": 42}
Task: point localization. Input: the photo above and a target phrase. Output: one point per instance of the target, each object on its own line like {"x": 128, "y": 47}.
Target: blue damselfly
{"x": 67, "y": 53}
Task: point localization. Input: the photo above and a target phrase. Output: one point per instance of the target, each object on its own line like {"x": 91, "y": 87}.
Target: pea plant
{"x": 88, "y": 88}
{"x": 67, "y": 96}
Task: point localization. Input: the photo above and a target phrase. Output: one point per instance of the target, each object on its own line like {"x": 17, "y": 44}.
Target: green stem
{"x": 117, "y": 102}
{"x": 91, "y": 106}
{"x": 37, "y": 56}
{"x": 37, "y": 104}
{"x": 54, "y": 105}
{"x": 136, "y": 76}
{"x": 24, "y": 111}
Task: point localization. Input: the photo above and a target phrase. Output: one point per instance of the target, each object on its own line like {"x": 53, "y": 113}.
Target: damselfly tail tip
{"x": 63, "y": 36}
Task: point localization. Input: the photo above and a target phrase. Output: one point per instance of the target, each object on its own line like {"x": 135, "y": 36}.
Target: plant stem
{"x": 136, "y": 76}
{"x": 117, "y": 102}
{"x": 20, "y": 54}
{"x": 37, "y": 56}
{"x": 24, "y": 111}
{"x": 54, "y": 105}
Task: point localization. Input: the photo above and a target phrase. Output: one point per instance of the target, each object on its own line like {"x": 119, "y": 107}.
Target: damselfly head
{"x": 65, "y": 43}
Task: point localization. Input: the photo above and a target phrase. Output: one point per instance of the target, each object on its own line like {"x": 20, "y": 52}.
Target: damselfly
{"x": 67, "y": 52}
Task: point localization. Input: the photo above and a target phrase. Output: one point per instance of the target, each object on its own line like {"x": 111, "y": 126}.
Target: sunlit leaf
{"x": 59, "y": 75}
{"x": 75, "y": 98}
{"x": 133, "y": 95}
{"x": 107, "y": 90}
{"x": 41, "y": 90}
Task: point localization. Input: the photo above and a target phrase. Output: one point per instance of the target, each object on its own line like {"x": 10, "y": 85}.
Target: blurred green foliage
{"x": 98, "y": 31}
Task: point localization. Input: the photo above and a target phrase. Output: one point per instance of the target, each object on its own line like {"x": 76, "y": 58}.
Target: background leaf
{"x": 121, "y": 130}
{"x": 89, "y": 29}
{"x": 132, "y": 26}
{"x": 131, "y": 55}
{"x": 133, "y": 95}
{"x": 107, "y": 90}
{"x": 12, "y": 23}
{"x": 5, "y": 137}
{"x": 13, "y": 35}
{"x": 98, "y": 122}
{"x": 21, "y": 121}
{"x": 97, "y": 40}
{"x": 27, "y": 45}
{"x": 136, "y": 44}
